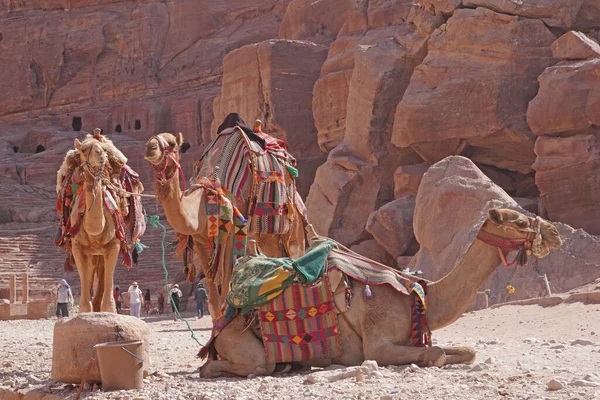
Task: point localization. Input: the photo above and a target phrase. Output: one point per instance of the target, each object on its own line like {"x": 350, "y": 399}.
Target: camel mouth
{"x": 153, "y": 158}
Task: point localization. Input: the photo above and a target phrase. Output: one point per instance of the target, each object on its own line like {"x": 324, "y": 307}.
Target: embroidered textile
{"x": 300, "y": 324}
{"x": 419, "y": 329}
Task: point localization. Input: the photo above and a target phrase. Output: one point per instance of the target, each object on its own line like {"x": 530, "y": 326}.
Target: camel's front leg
{"x": 111, "y": 255}
{"x": 387, "y": 353}
{"x": 242, "y": 353}
{"x": 459, "y": 355}
{"x": 83, "y": 261}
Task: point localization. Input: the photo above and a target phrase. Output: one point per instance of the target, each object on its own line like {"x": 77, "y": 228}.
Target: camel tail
{"x": 98, "y": 264}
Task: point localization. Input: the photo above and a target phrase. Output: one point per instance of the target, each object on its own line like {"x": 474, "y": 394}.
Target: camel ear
{"x": 77, "y": 144}
{"x": 179, "y": 139}
{"x": 496, "y": 216}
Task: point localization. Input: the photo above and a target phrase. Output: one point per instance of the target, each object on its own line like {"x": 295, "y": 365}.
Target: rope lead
{"x": 154, "y": 221}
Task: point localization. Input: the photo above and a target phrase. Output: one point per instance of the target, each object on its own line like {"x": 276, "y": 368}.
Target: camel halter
{"x": 168, "y": 154}
{"x": 523, "y": 245}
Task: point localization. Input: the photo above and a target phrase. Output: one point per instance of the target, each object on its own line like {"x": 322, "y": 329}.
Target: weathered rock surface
{"x": 453, "y": 198}
{"x": 575, "y": 45}
{"x": 392, "y": 225}
{"x": 568, "y": 100}
{"x": 358, "y": 174}
{"x": 567, "y": 171}
{"x": 564, "y": 14}
{"x": 74, "y": 340}
{"x": 407, "y": 179}
{"x": 464, "y": 99}
{"x": 317, "y": 21}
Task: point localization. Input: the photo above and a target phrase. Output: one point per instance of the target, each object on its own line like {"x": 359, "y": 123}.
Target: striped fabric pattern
{"x": 300, "y": 324}
{"x": 365, "y": 272}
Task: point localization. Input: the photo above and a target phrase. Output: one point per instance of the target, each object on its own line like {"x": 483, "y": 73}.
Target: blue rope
{"x": 154, "y": 221}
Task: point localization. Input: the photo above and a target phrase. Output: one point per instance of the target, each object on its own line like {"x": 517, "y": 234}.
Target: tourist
{"x": 63, "y": 298}
{"x": 117, "y": 296}
{"x": 147, "y": 302}
{"x": 175, "y": 295}
{"x": 161, "y": 302}
{"x": 136, "y": 300}
{"x": 200, "y": 297}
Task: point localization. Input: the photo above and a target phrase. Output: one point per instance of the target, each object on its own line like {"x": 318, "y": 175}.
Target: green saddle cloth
{"x": 257, "y": 280}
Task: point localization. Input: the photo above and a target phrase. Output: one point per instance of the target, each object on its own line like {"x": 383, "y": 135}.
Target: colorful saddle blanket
{"x": 300, "y": 324}
{"x": 257, "y": 280}
{"x": 242, "y": 166}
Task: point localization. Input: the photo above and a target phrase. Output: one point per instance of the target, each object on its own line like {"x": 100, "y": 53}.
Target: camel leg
{"x": 86, "y": 274}
{"x": 213, "y": 300}
{"x": 387, "y": 353}
{"x": 98, "y": 285}
{"x": 241, "y": 351}
{"x": 109, "y": 263}
{"x": 459, "y": 355}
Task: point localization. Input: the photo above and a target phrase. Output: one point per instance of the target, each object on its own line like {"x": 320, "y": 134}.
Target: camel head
{"x": 161, "y": 145}
{"x": 92, "y": 156}
{"x": 510, "y": 230}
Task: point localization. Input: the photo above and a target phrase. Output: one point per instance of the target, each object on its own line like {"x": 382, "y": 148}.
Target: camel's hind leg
{"x": 459, "y": 355}
{"x": 241, "y": 352}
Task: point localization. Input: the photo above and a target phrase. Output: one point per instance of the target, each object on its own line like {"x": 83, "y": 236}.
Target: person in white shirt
{"x": 136, "y": 299}
{"x": 63, "y": 298}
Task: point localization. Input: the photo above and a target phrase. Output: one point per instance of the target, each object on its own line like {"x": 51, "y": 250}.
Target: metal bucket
{"x": 121, "y": 365}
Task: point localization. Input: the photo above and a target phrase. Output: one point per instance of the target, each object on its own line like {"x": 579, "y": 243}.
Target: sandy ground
{"x": 519, "y": 350}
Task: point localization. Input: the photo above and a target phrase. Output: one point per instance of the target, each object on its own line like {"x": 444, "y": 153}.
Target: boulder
{"x": 407, "y": 179}
{"x": 480, "y": 114}
{"x": 441, "y": 6}
{"x": 564, "y": 14}
{"x": 451, "y": 205}
{"x": 74, "y": 340}
{"x": 575, "y": 45}
{"x": 567, "y": 170}
{"x": 392, "y": 225}
{"x": 568, "y": 100}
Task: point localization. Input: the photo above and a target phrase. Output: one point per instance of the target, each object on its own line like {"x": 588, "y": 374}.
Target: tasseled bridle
{"x": 168, "y": 153}
{"x": 97, "y": 176}
{"x": 523, "y": 245}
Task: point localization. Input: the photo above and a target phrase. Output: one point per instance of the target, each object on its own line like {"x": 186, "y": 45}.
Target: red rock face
{"x": 468, "y": 99}
{"x": 567, "y": 171}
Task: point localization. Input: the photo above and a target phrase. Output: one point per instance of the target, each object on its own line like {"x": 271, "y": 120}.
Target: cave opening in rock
{"x": 138, "y": 125}
{"x": 16, "y": 149}
{"x": 39, "y": 148}
{"x": 118, "y": 128}
{"x": 1, "y": 37}
{"x": 185, "y": 146}
{"x": 76, "y": 124}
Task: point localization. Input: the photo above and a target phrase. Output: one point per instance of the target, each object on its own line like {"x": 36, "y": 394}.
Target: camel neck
{"x": 93, "y": 219}
{"x": 450, "y": 297}
{"x": 181, "y": 211}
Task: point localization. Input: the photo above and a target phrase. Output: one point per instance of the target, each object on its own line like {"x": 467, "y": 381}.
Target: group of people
{"x": 137, "y": 299}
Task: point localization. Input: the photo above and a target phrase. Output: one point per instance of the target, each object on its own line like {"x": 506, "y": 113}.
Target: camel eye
{"x": 521, "y": 224}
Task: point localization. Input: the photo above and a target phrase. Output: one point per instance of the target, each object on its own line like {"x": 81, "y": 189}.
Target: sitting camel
{"x": 92, "y": 217}
{"x": 186, "y": 212}
{"x": 377, "y": 326}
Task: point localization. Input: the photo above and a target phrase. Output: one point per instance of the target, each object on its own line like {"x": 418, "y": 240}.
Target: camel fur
{"x": 186, "y": 213}
{"x": 379, "y": 328}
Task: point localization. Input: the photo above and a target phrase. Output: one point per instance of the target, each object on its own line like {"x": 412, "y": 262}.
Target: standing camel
{"x": 186, "y": 213}
{"x": 94, "y": 230}
{"x": 379, "y": 327}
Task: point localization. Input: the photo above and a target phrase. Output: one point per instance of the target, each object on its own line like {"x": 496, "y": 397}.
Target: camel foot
{"x": 460, "y": 355}
{"x": 433, "y": 357}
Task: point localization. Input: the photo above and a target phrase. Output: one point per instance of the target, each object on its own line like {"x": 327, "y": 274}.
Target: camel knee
{"x": 460, "y": 355}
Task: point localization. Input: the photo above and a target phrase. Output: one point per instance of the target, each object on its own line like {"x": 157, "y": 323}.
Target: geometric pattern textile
{"x": 300, "y": 324}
